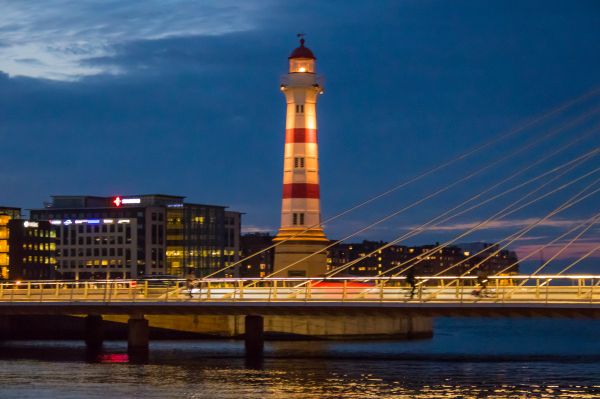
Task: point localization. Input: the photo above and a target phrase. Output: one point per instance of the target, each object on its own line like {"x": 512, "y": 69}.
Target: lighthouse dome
{"x": 302, "y": 52}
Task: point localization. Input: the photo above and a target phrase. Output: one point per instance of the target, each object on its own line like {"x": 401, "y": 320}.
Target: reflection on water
{"x": 466, "y": 359}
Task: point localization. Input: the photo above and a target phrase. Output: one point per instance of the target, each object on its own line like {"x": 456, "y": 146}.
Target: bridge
{"x": 537, "y": 181}
{"x": 517, "y": 295}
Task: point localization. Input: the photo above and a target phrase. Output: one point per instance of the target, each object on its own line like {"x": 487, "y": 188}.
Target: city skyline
{"x": 299, "y": 199}
{"x": 188, "y": 103}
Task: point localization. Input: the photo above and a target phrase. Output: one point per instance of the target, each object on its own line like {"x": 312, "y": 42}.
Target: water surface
{"x": 467, "y": 358}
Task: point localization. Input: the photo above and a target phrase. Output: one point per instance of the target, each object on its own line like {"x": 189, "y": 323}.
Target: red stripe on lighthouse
{"x": 301, "y": 135}
{"x": 301, "y": 190}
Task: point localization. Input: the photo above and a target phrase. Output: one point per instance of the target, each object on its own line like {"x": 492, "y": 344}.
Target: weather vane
{"x": 301, "y": 37}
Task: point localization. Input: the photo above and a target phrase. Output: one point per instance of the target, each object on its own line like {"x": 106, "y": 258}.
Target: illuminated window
{"x": 299, "y": 162}
{"x": 298, "y": 218}
{"x": 299, "y": 108}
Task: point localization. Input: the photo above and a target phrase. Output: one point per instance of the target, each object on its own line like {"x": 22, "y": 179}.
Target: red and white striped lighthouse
{"x": 301, "y": 205}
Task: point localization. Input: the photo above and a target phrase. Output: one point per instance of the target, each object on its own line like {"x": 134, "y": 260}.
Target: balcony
{"x": 302, "y": 80}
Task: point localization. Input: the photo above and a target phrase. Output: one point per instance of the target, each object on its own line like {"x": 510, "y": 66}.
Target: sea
{"x": 466, "y": 358}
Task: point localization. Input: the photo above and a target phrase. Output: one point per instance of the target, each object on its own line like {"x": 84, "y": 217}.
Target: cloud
{"x": 257, "y": 229}
{"x": 574, "y": 251}
{"x": 53, "y": 40}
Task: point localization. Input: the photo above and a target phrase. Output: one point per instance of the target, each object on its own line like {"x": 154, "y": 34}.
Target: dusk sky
{"x": 182, "y": 97}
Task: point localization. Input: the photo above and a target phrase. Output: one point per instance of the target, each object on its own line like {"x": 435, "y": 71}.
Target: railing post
{"x": 1, "y": 290}
{"x": 28, "y": 289}
{"x": 462, "y": 289}
{"x": 85, "y": 289}
{"x": 241, "y": 286}
{"x": 208, "y": 291}
{"x": 145, "y": 289}
{"x": 537, "y": 288}
{"x": 381, "y": 284}
{"x": 275, "y": 290}
{"x": 41, "y": 291}
{"x": 57, "y": 290}
{"x": 105, "y": 292}
{"x": 114, "y": 291}
{"x": 199, "y": 291}
{"x": 308, "y": 292}
{"x": 345, "y": 290}
{"x": 497, "y": 287}
{"x": 420, "y": 296}
{"x": 547, "y": 289}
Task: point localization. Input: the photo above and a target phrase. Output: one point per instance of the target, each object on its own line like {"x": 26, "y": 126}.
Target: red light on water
{"x": 113, "y": 358}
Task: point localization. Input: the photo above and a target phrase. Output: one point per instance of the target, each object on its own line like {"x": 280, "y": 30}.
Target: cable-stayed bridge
{"x": 540, "y": 294}
{"x": 558, "y": 173}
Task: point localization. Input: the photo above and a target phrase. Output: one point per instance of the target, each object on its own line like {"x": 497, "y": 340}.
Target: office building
{"x": 32, "y": 250}
{"x": 140, "y": 236}
{"x": 6, "y": 214}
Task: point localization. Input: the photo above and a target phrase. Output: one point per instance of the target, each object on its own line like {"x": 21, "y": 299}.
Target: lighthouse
{"x": 301, "y": 233}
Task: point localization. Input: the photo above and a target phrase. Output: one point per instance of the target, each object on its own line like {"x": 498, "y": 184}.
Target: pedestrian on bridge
{"x": 410, "y": 279}
{"x": 482, "y": 280}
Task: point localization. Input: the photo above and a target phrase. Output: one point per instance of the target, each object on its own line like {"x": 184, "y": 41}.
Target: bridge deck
{"x": 514, "y": 295}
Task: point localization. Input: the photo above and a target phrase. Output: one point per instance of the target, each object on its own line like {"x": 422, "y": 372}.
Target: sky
{"x": 182, "y": 97}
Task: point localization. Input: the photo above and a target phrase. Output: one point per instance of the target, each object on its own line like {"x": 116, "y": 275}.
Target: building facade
{"x": 6, "y": 215}
{"x": 262, "y": 264}
{"x": 32, "y": 250}
{"x": 232, "y": 251}
{"x": 421, "y": 259}
{"x": 137, "y": 236}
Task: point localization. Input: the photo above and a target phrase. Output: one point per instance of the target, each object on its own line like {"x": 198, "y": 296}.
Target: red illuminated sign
{"x": 117, "y": 201}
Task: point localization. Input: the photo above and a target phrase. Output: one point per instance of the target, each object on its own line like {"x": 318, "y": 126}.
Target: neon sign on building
{"x": 118, "y": 201}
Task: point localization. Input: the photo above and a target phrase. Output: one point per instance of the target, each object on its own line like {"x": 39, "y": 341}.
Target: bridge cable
{"x": 533, "y": 225}
{"x": 479, "y": 225}
{"x": 580, "y": 196}
{"x": 589, "y": 253}
{"x": 519, "y": 128}
{"x": 573, "y": 163}
{"x": 515, "y": 236}
{"x": 590, "y": 223}
{"x": 539, "y": 249}
{"x": 446, "y": 188}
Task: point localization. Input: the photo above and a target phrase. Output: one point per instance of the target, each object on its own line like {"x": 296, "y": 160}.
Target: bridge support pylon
{"x": 254, "y": 336}
{"x": 138, "y": 334}
{"x": 94, "y": 331}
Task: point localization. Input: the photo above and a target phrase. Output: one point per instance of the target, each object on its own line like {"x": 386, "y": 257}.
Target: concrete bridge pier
{"x": 138, "y": 334}
{"x": 254, "y": 336}
{"x": 94, "y": 331}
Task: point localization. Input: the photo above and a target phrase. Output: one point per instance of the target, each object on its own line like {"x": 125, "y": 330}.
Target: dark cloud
{"x": 407, "y": 85}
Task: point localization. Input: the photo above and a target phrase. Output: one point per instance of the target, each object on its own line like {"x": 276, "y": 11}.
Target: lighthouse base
{"x": 290, "y": 252}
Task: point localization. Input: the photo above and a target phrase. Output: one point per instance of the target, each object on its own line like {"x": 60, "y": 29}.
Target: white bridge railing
{"x": 445, "y": 289}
